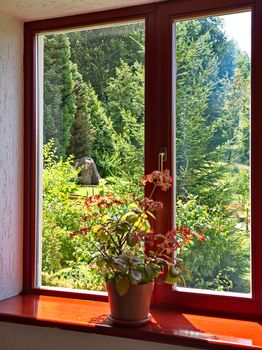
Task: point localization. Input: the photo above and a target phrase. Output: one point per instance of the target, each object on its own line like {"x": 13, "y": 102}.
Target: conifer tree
{"x": 98, "y": 52}
{"x": 59, "y": 97}
{"x": 102, "y": 134}
{"x": 125, "y": 92}
{"x": 197, "y": 77}
{"x": 235, "y": 121}
{"x": 125, "y": 107}
{"x": 81, "y": 132}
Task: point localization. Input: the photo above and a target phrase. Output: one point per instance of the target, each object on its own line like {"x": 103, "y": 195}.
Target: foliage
{"x": 98, "y": 52}
{"x": 212, "y": 134}
{"x": 125, "y": 92}
{"x": 123, "y": 231}
{"x": 221, "y": 261}
{"x": 59, "y": 97}
{"x": 81, "y": 129}
{"x": 95, "y": 107}
{"x": 125, "y": 107}
{"x": 235, "y": 121}
{"x": 59, "y": 182}
{"x": 103, "y": 134}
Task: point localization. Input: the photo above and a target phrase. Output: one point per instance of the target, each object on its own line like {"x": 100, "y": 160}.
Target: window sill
{"x": 166, "y": 326}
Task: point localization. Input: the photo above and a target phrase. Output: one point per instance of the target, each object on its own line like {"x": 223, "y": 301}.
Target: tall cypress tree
{"x": 59, "y": 97}
{"x": 81, "y": 132}
{"x": 102, "y": 134}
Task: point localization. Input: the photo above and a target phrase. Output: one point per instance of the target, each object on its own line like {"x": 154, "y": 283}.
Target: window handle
{"x": 162, "y": 157}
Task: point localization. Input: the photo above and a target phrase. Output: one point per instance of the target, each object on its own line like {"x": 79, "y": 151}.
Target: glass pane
{"x": 91, "y": 144}
{"x": 212, "y": 127}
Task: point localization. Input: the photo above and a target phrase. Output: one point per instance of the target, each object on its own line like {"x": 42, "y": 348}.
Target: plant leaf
{"x": 97, "y": 228}
{"x": 149, "y": 272}
{"x": 122, "y": 286}
{"x": 171, "y": 280}
{"x": 136, "y": 276}
{"x": 173, "y": 271}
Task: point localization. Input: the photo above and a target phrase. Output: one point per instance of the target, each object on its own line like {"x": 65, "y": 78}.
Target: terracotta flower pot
{"x": 132, "y": 308}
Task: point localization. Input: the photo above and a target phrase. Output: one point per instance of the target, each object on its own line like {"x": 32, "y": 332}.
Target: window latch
{"x": 162, "y": 157}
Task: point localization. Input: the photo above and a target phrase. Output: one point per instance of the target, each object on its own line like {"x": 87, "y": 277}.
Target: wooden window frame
{"x": 31, "y": 30}
{"x": 158, "y": 116}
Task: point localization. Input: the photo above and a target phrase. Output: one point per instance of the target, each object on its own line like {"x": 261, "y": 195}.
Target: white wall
{"x": 20, "y": 337}
{"x": 11, "y": 154}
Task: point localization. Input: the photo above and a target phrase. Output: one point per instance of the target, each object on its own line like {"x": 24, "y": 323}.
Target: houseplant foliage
{"x": 127, "y": 249}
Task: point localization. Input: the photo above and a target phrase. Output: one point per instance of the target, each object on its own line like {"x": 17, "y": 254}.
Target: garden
{"x": 94, "y": 107}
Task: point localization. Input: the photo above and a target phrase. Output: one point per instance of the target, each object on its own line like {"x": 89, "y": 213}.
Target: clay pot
{"x": 132, "y": 308}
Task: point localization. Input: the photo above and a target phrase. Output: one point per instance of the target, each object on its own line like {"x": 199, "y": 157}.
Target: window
{"x": 162, "y": 25}
{"x": 212, "y": 148}
{"x": 91, "y": 141}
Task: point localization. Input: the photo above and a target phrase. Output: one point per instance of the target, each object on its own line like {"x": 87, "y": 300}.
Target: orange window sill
{"x": 166, "y": 326}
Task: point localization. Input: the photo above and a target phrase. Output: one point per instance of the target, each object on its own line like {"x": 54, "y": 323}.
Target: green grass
{"x": 86, "y": 191}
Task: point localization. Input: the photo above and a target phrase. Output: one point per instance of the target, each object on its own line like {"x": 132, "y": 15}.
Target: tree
{"x": 82, "y": 135}
{"x": 235, "y": 121}
{"x": 212, "y": 134}
{"x": 196, "y": 79}
{"x": 98, "y": 52}
{"x": 125, "y": 92}
{"x": 102, "y": 134}
{"x": 125, "y": 107}
{"x": 59, "y": 97}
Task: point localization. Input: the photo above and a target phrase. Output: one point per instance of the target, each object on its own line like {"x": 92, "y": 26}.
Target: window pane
{"x": 91, "y": 141}
{"x": 212, "y": 127}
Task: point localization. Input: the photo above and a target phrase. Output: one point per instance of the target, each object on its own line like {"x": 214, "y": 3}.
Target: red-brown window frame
{"x": 158, "y": 117}
{"x": 31, "y": 30}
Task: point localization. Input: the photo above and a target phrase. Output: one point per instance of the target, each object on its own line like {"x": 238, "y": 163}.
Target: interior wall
{"x": 11, "y": 154}
{"x": 20, "y": 337}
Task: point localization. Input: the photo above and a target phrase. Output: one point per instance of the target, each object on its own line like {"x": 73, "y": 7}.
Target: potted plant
{"x": 128, "y": 251}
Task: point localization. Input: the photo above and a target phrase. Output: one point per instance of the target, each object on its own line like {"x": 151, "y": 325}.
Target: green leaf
{"x": 123, "y": 259}
{"x": 122, "y": 227}
{"x": 136, "y": 276}
{"x": 161, "y": 261}
{"x": 119, "y": 265}
{"x": 138, "y": 261}
{"x": 130, "y": 240}
{"x": 130, "y": 217}
{"x": 173, "y": 271}
{"x": 171, "y": 280}
{"x": 103, "y": 237}
{"x": 97, "y": 228}
{"x": 149, "y": 272}
{"x": 122, "y": 286}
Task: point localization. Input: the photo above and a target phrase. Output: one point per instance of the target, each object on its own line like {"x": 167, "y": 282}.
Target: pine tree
{"x": 59, "y": 97}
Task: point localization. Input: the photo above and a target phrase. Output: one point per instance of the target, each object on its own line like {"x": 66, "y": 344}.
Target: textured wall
{"x": 30, "y": 10}
{"x": 11, "y": 172}
{"x": 19, "y": 337}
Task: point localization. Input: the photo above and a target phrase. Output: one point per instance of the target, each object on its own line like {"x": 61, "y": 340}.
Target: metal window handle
{"x": 162, "y": 157}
